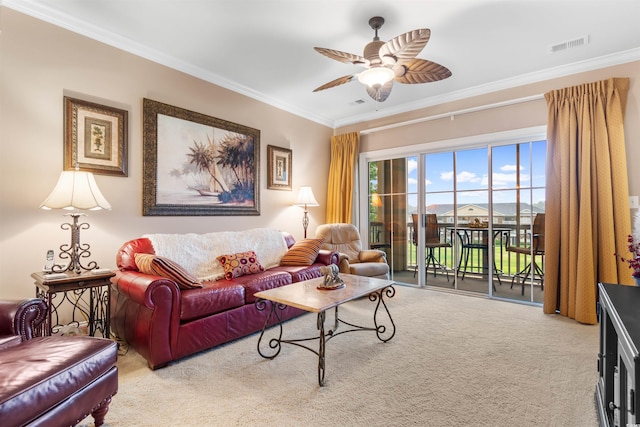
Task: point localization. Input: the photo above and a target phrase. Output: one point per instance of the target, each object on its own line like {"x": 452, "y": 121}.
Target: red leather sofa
{"x": 51, "y": 381}
{"x": 164, "y": 323}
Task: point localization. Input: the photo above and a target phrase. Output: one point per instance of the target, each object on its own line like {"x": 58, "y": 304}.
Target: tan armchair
{"x": 345, "y": 239}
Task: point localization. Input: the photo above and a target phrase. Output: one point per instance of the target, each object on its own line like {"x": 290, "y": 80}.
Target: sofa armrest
{"x": 142, "y": 288}
{"x": 326, "y": 257}
{"x": 22, "y": 317}
{"x": 145, "y": 312}
{"x": 372, "y": 255}
{"x": 343, "y": 263}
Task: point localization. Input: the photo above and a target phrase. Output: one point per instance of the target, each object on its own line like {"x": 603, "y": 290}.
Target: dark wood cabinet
{"x": 616, "y": 391}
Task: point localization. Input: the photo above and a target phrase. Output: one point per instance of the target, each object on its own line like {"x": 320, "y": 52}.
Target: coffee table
{"x": 305, "y": 295}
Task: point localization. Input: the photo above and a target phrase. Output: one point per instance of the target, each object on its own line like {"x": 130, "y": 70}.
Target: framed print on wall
{"x": 194, "y": 164}
{"x": 279, "y": 168}
{"x": 95, "y": 137}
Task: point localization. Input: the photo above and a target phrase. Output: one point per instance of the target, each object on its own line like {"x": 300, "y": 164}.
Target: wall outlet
{"x": 634, "y": 202}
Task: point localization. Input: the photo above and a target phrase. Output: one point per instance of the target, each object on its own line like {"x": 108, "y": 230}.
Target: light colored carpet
{"x": 455, "y": 361}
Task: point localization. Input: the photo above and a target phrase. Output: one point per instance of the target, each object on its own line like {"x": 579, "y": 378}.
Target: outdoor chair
{"x": 536, "y": 248}
{"x": 432, "y": 242}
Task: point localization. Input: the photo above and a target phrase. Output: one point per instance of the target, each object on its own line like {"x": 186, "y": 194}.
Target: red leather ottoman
{"x": 55, "y": 381}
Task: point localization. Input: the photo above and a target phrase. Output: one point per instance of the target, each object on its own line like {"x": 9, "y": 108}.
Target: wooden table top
{"x": 72, "y": 280}
{"x": 305, "y": 295}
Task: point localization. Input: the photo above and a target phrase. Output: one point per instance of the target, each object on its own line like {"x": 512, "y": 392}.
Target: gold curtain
{"x": 344, "y": 154}
{"x": 587, "y": 196}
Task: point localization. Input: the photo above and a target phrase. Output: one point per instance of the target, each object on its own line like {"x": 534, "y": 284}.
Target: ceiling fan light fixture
{"x": 386, "y": 62}
{"x": 376, "y": 76}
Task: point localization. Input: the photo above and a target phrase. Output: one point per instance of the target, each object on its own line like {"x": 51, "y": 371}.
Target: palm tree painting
{"x": 203, "y": 157}
{"x": 203, "y": 165}
{"x": 234, "y": 155}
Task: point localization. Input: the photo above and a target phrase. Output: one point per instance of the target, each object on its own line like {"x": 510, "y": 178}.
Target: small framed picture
{"x": 279, "y": 168}
{"x": 95, "y": 137}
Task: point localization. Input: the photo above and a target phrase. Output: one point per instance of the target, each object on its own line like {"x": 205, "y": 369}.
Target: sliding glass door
{"x": 387, "y": 210}
{"x": 518, "y": 195}
{"x": 462, "y": 219}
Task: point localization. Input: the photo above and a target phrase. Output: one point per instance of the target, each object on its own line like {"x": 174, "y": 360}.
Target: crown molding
{"x": 618, "y": 58}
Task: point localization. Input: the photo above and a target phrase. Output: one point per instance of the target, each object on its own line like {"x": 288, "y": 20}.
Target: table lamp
{"x": 306, "y": 199}
{"x": 75, "y": 190}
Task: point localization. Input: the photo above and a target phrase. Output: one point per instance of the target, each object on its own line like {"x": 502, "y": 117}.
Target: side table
{"x": 75, "y": 290}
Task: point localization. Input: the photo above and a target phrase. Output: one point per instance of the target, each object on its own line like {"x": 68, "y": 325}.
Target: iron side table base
{"x": 384, "y": 327}
{"x": 87, "y": 296}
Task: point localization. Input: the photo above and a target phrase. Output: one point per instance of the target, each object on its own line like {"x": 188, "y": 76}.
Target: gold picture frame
{"x": 195, "y": 164}
{"x": 279, "y": 168}
{"x": 95, "y": 137}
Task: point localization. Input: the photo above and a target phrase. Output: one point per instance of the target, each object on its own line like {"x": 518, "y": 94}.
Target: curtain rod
{"x": 454, "y": 113}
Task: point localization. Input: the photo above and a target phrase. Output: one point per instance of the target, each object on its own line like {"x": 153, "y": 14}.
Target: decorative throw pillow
{"x": 240, "y": 264}
{"x": 303, "y": 252}
{"x": 164, "y": 267}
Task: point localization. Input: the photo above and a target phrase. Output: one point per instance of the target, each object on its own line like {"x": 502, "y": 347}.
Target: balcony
{"x": 509, "y": 275}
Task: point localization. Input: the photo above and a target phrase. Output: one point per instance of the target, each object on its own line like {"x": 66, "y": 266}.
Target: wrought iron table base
{"x": 95, "y": 313}
{"x": 85, "y": 298}
{"x": 383, "y": 332}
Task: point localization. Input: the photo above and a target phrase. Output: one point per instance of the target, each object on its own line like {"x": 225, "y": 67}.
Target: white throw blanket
{"x": 197, "y": 253}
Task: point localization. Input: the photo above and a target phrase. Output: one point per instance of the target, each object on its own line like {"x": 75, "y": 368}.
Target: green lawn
{"x": 505, "y": 261}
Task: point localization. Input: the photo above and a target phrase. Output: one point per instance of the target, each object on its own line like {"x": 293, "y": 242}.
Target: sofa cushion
{"x": 7, "y": 341}
{"x": 160, "y": 266}
{"x": 214, "y": 297}
{"x": 269, "y": 279}
{"x": 370, "y": 269}
{"x": 301, "y": 272}
{"x": 303, "y": 252}
{"x": 240, "y": 264}
{"x": 39, "y": 373}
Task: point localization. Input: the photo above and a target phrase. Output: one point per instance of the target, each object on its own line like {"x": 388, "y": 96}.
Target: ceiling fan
{"x": 386, "y": 62}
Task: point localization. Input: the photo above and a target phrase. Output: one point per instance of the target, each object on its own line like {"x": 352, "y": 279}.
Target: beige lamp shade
{"x": 76, "y": 190}
{"x": 306, "y": 197}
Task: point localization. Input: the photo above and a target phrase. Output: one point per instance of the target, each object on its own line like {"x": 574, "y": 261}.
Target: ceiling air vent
{"x": 570, "y": 44}
{"x": 358, "y": 102}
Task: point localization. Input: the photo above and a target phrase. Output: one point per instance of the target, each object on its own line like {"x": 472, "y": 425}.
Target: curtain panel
{"x": 344, "y": 154}
{"x": 587, "y": 196}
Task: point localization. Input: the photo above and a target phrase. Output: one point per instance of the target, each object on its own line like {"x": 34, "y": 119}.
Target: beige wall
{"x": 40, "y": 63}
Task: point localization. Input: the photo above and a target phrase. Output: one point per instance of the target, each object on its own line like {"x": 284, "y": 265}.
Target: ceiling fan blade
{"x": 405, "y": 46}
{"x": 381, "y": 93}
{"x": 337, "y": 82}
{"x": 420, "y": 71}
{"x": 342, "y": 56}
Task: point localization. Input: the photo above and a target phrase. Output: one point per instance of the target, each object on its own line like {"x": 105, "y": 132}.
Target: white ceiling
{"x": 264, "y": 48}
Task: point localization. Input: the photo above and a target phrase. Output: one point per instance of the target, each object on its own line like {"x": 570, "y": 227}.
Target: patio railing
{"x": 507, "y": 263}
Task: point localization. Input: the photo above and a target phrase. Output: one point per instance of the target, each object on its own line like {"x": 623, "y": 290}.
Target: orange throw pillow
{"x": 304, "y": 252}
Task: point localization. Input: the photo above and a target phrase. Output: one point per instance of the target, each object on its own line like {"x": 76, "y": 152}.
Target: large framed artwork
{"x": 95, "y": 137}
{"x": 279, "y": 168}
{"x": 194, "y": 164}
